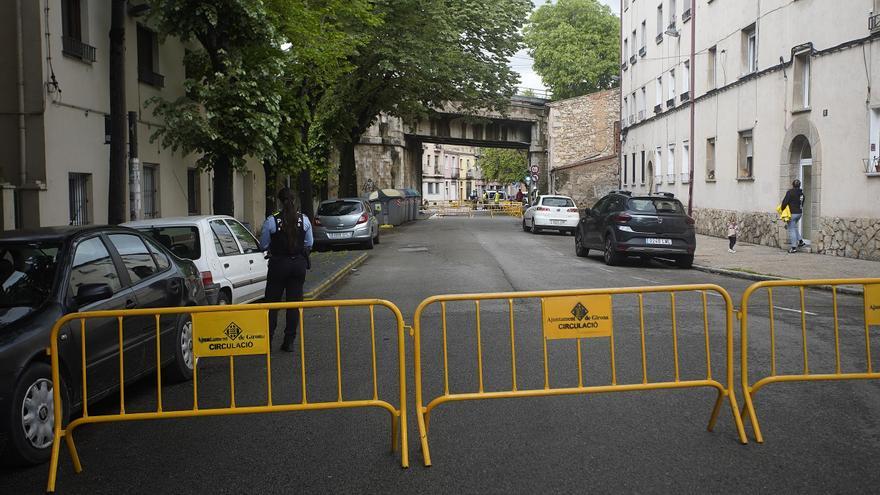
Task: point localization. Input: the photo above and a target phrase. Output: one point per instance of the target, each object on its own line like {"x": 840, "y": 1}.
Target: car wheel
{"x": 525, "y": 228}
{"x": 368, "y": 244}
{"x": 376, "y": 239}
{"x": 684, "y": 261}
{"x": 535, "y": 229}
{"x": 32, "y": 418}
{"x": 224, "y": 299}
{"x": 181, "y": 369}
{"x": 579, "y": 248}
{"x": 610, "y": 255}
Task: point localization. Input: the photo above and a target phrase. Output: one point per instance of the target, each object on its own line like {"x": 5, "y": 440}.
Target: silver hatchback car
{"x": 345, "y": 221}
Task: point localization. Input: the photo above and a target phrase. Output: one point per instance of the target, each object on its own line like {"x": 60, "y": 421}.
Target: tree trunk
{"x": 306, "y": 197}
{"x": 347, "y": 170}
{"x": 118, "y": 122}
{"x": 223, "y": 198}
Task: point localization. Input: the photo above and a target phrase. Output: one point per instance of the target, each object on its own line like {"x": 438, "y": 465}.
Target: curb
{"x": 760, "y": 277}
{"x": 320, "y": 289}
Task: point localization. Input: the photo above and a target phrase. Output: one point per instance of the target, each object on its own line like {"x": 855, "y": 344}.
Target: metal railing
{"x": 212, "y": 339}
{"x": 146, "y": 75}
{"x": 76, "y": 48}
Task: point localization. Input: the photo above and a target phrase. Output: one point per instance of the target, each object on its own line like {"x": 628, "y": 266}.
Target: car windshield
{"x": 656, "y": 205}
{"x": 27, "y": 271}
{"x": 339, "y": 208}
{"x": 181, "y": 240}
{"x": 558, "y": 202}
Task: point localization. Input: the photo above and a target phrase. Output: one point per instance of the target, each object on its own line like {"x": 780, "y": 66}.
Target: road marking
{"x": 714, "y": 294}
{"x": 780, "y": 308}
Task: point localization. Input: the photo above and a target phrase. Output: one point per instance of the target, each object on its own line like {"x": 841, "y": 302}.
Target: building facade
{"x": 780, "y": 90}
{"x": 61, "y": 176}
{"x": 449, "y": 172}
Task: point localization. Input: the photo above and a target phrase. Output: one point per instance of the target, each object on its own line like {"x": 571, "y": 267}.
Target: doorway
{"x": 803, "y": 161}
{"x": 650, "y": 177}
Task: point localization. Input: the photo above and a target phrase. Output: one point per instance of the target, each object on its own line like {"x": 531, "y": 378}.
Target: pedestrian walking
{"x": 287, "y": 236}
{"x": 794, "y": 201}
{"x": 732, "y": 231}
{"x": 519, "y": 195}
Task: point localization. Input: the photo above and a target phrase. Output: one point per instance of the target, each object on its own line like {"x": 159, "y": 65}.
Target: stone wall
{"x": 588, "y": 181}
{"x": 849, "y": 237}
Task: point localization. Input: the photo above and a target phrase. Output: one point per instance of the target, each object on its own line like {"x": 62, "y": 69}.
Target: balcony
{"x": 624, "y": 66}
{"x": 632, "y": 60}
{"x": 147, "y": 76}
{"x": 872, "y": 166}
{"x": 75, "y": 48}
{"x": 658, "y": 108}
{"x": 686, "y": 15}
{"x": 874, "y": 22}
{"x": 685, "y": 96}
{"x": 670, "y": 102}
{"x": 643, "y": 51}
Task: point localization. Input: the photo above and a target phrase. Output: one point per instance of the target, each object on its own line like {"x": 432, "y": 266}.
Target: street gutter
{"x": 761, "y": 277}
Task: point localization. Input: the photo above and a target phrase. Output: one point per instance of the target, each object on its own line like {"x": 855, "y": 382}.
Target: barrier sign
{"x": 230, "y": 333}
{"x": 872, "y": 304}
{"x": 576, "y": 317}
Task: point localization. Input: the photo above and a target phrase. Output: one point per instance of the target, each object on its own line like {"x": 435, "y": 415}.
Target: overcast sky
{"x": 522, "y": 63}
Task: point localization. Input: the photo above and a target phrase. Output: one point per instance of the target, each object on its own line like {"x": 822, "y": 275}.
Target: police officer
{"x": 287, "y": 236}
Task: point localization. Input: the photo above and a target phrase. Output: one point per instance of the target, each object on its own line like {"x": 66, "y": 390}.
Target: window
{"x": 658, "y": 94}
{"x": 658, "y": 163}
{"x": 633, "y": 169}
{"x": 244, "y": 236}
{"x": 750, "y": 50}
{"x": 660, "y": 23}
{"x": 148, "y": 57}
{"x": 746, "y": 155}
{"x": 671, "y": 14}
{"x": 670, "y": 100}
{"x": 670, "y": 165}
{"x": 625, "y": 49}
{"x": 872, "y": 166}
{"x": 625, "y": 108}
{"x": 193, "y": 191}
{"x": 712, "y": 68}
{"x": 632, "y": 109}
{"x": 643, "y": 50}
{"x": 710, "y": 159}
{"x": 557, "y": 202}
{"x": 802, "y": 81}
{"x": 80, "y": 194}
{"x": 92, "y": 265}
{"x": 686, "y": 10}
{"x": 74, "y": 42}
{"x": 644, "y": 103}
{"x": 685, "y": 162}
{"x": 150, "y": 190}
{"x": 135, "y": 256}
{"x": 643, "y": 168}
{"x": 625, "y": 181}
{"x": 183, "y": 241}
{"x": 161, "y": 260}
{"x": 633, "y": 46}
{"x": 224, "y": 241}
{"x": 686, "y": 81}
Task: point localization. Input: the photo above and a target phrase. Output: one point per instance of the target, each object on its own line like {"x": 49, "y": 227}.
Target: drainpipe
{"x": 693, "y": 90}
{"x": 22, "y": 123}
{"x": 134, "y": 171}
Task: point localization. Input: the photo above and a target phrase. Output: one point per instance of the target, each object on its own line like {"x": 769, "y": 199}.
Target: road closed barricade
{"x": 804, "y": 327}
{"x": 234, "y": 336}
{"x": 652, "y": 351}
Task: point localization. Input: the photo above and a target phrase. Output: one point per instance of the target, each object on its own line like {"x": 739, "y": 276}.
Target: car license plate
{"x": 557, "y": 222}
{"x": 338, "y": 235}
{"x": 661, "y": 242}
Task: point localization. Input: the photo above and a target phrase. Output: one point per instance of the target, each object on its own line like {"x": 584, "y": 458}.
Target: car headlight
{"x": 625, "y": 228}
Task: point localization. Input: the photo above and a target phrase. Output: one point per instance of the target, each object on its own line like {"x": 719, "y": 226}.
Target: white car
{"x": 226, "y": 253}
{"x": 553, "y": 213}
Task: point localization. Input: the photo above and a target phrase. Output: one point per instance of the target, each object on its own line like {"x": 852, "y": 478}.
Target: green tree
{"x": 575, "y": 45}
{"x": 231, "y": 109}
{"x": 506, "y": 166}
{"x": 422, "y": 56}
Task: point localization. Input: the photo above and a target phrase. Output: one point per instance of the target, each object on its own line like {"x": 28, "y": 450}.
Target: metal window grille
{"x": 150, "y": 190}
{"x": 79, "y": 198}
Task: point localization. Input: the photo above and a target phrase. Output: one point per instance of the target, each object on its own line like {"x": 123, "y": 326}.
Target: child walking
{"x": 732, "y": 230}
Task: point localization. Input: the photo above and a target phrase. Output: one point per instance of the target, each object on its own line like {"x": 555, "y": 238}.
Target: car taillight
{"x": 622, "y": 218}
{"x": 689, "y": 220}
{"x": 207, "y": 279}
{"x": 317, "y": 221}
{"x": 572, "y": 210}
{"x": 362, "y": 219}
{"x": 541, "y": 208}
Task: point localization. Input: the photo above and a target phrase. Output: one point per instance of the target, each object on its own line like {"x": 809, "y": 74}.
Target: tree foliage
{"x": 506, "y": 166}
{"x": 575, "y": 45}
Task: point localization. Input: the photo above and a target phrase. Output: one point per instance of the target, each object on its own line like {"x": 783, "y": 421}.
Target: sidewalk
{"x": 757, "y": 262}
{"x": 328, "y": 267}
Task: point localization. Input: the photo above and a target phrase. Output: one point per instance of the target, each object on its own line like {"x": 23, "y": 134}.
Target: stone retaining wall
{"x": 848, "y": 237}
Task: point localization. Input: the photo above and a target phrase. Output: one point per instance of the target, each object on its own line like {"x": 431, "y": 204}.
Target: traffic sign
{"x": 535, "y": 177}
{"x": 534, "y": 169}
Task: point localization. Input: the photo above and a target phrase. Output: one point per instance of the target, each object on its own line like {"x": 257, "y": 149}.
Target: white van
{"x": 226, "y": 253}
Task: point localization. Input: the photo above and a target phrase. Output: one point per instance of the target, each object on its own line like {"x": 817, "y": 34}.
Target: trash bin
{"x": 388, "y": 206}
{"x": 416, "y": 201}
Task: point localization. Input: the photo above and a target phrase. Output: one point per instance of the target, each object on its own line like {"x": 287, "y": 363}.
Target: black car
{"x": 49, "y": 272}
{"x": 622, "y": 225}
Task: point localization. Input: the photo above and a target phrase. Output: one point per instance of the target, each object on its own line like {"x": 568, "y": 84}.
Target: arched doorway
{"x": 801, "y": 167}
{"x": 650, "y": 176}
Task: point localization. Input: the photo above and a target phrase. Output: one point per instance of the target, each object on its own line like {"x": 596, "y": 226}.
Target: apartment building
{"x": 61, "y": 176}
{"x": 449, "y": 172}
{"x": 779, "y": 90}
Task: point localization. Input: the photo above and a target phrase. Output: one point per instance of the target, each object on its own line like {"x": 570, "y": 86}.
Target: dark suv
{"x": 622, "y": 225}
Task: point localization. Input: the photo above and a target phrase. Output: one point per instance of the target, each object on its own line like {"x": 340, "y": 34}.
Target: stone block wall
{"x": 848, "y": 237}
{"x": 587, "y": 182}
{"x": 583, "y": 127}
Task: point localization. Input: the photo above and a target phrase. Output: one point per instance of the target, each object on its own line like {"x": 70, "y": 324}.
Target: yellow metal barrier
{"x": 564, "y": 316}
{"x": 872, "y": 317}
{"x": 209, "y": 316}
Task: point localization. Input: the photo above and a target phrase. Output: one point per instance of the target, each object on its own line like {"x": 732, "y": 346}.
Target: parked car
{"x": 345, "y": 221}
{"x": 551, "y": 212}
{"x": 232, "y": 266}
{"x": 622, "y": 225}
{"x": 49, "y": 272}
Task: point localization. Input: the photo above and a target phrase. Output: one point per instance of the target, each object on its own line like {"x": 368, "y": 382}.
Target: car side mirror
{"x": 90, "y": 293}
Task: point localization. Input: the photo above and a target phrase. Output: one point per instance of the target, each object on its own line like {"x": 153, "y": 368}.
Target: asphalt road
{"x": 819, "y": 437}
